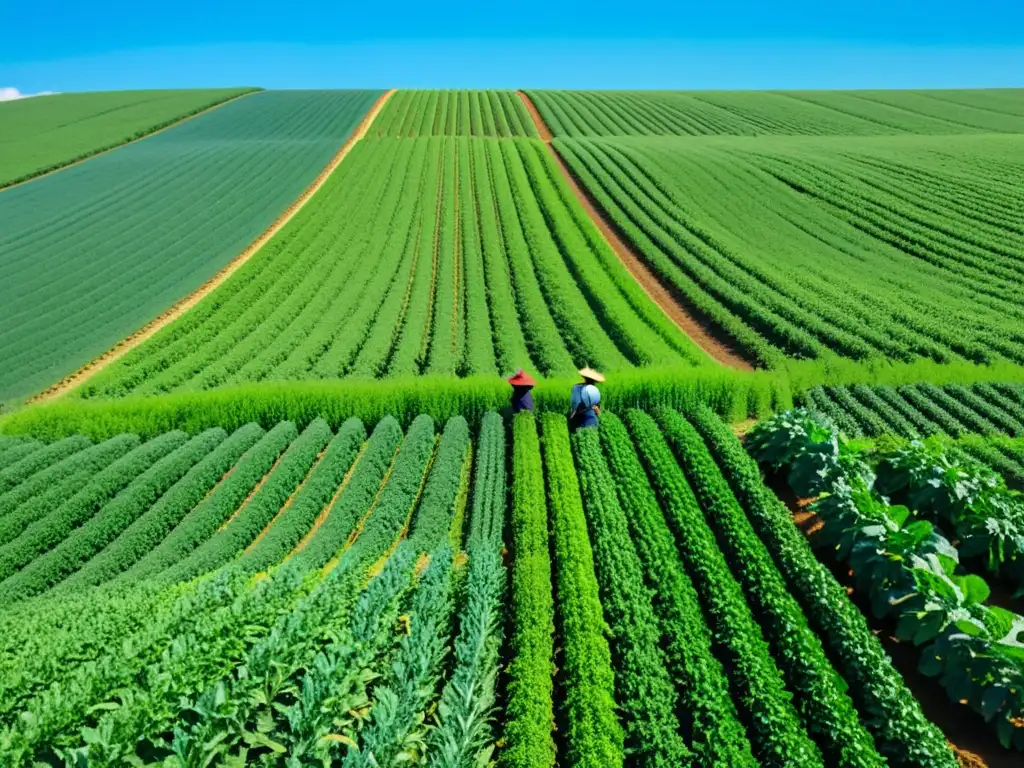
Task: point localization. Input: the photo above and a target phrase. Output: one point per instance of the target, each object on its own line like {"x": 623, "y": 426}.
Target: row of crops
{"x": 483, "y": 260}
{"x": 356, "y": 588}
{"x": 279, "y": 596}
{"x": 435, "y": 255}
{"x": 922, "y": 410}
{"x": 454, "y": 113}
{"x": 762, "y": 113}
{"x": 892, "y": 248}
{"x": 933, "y": 547}
{"x": 93, "y": 253}
{"x": 77, "y": 125}
{"x": 985, "y": 421}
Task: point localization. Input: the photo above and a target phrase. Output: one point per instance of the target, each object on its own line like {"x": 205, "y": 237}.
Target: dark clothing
{"x": 522, "y": 400}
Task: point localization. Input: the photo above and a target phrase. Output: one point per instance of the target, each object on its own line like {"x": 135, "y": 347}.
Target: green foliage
{"x": 110, "y": 521}
{"x": 203, "y": 652}
{"x": 902, "y": 733}
{"x": 44, "y": 643}
{"x": 716, "y": 735}
{"x": 643, "y": 688}
{"x": 258, "y": 510}
{"x": 826, "y": 710}
{"x": 13, "y": 447}
{"x": 419, "y": 219}
{"x": 849, "y": 222}
{"x": 592, "y": 731}
{"x": 201, "y": 192}
{"x": 308, "y": 502}
{"x": 388, "y": 517}
{"x": 147, "y": 532}
{"x": 50, "y": 487}
{"x": 728, "y": 392}
{"x": 776, "y": 732}
{"x": 235, "y": 712}
{"x": 971, "y": 501}
{"x": 464, "y": 737}
{"x": 440, "y": 494}
{"x": 368, "y": 477}
{"x": 334, "y": 689}
{"x": 17, "y": 473}
{"x": 396, "y": 732}
{"x": 77, "y": 125}
{"x": 412, "y": 113}
{"x": 487, "y": 521}
{"x": 204, "y": 520}
{"x": 51, "y": 719}
{"x": 529, "y": 711}
{"x": 54, "y": 527}
{"x": 762, "y": 113}
{"x": 919, "y": 409}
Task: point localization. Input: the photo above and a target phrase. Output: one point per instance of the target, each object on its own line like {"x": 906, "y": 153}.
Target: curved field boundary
{"x": 702, "y": 335}
{"x": 110, "y": 148}
{"x": 182, "y": 306}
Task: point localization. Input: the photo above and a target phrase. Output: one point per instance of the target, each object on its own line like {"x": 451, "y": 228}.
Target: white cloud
{"x": 12, "y": 94}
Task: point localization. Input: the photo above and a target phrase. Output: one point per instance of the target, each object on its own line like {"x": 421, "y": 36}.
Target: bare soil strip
{"x": 167, "y": 127}
{"x": 177, "y": 310}
{"x": 671, "y": 303}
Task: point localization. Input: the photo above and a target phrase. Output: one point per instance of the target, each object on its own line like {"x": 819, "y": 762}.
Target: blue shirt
{"x": 585, "y": 395}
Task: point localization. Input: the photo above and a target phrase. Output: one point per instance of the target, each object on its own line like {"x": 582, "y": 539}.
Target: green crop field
{"x": 761, "y": 113}
{"x": 893, "y": 246}
{"x": 360, "y": 533}
{"x": 440, "y": 256}
{"x": 299, "y": 524}
{"x": 454, "y": 113}
{"x": 96, "y": 251}
{"x": 39, "y": 135}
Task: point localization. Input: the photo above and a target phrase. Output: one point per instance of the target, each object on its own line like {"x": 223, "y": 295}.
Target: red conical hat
{"x": 522, "y": 379}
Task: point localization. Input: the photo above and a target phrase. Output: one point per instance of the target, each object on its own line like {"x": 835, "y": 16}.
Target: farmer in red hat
{"x": 522, "y": 383}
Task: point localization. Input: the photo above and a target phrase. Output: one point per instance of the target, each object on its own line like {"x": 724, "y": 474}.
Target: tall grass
{"x": 733, "y": 395}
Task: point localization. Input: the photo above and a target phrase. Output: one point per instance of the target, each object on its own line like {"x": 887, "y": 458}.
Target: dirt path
{"x": 673, "y": 305}
{"x": 178, "y": 309}
{"x": 167, "y": 127}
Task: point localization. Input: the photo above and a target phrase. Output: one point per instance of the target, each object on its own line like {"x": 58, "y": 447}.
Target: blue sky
{"x": 66, "y": 45}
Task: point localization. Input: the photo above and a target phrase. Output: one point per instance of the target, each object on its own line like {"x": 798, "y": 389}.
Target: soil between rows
{"x": 702, "y": 333}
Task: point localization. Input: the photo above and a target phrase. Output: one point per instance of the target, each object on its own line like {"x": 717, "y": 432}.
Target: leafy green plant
{"x": 777, "y": 735}
{"x": 258, "y": 510}
{"x": 593, "y": 734}
{"x": 49, "y": 531}
{"x": 149, "y": 529}
{"x": 643, "y": 688}
{"x": 396, "y": 731}
{"x": 296, "y": 519}
{"x": 529, "y": 710}
{"x": 30, "y": 502}
{"x": 16, "y": 474}
{"x": 708, "y": 714}
{"x": 911, "y": 567}
{"x": 213, "y": 511}
{"x": 820, "y": 695}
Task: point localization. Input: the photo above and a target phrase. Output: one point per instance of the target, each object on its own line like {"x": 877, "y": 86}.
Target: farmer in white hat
{"x": 585, "y": 404}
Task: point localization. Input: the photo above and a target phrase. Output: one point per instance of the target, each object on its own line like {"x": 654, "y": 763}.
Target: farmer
{"x": 522, "y": 383}
{"x": 584, "y": 406}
